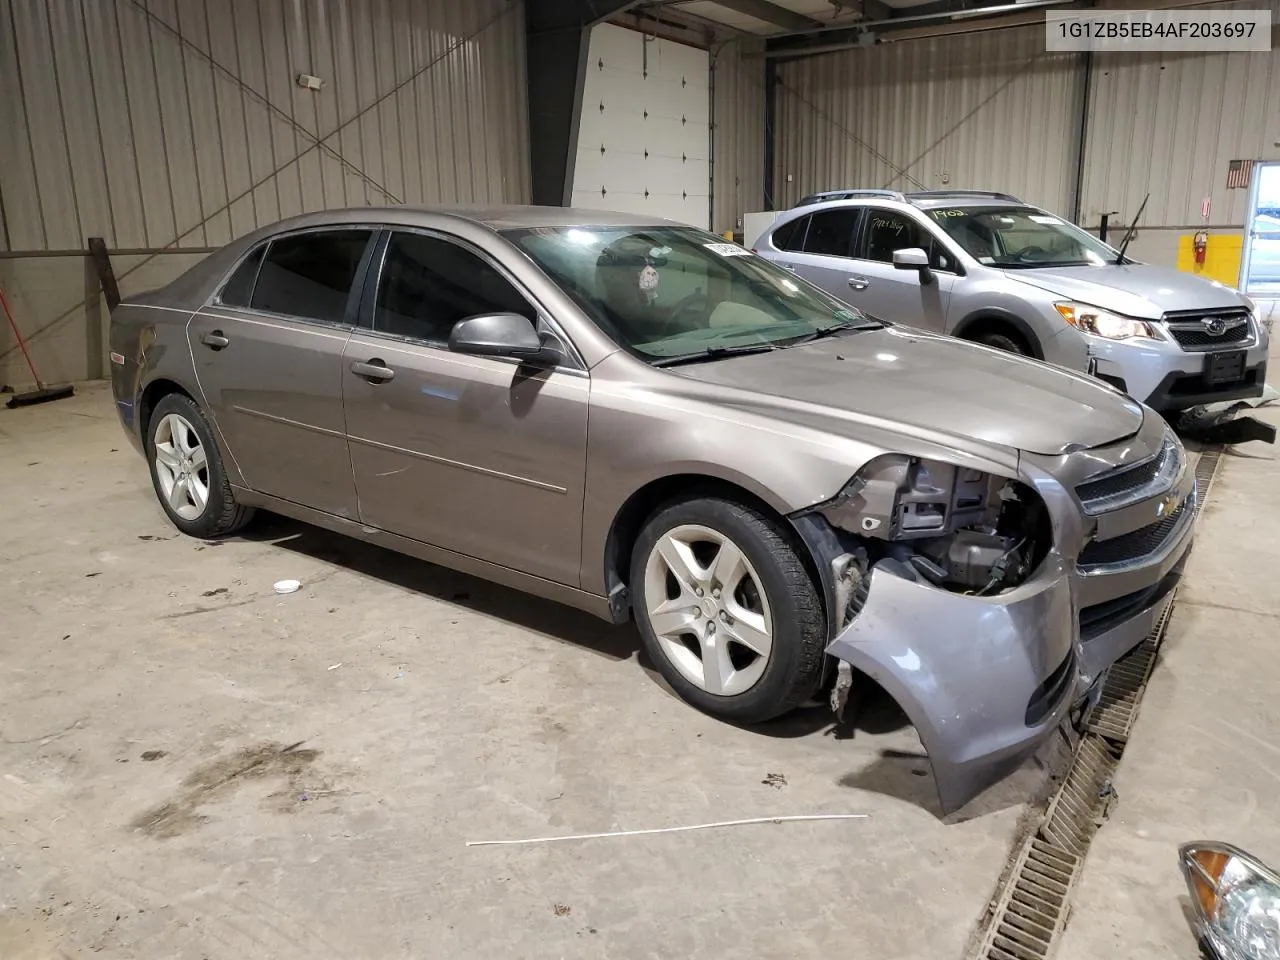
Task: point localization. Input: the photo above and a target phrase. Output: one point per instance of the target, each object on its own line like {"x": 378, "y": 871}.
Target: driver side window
{"x": 889, "y": 230}
{"x": 428, "y": 284}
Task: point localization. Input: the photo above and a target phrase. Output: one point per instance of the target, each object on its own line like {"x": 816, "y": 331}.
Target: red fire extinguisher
{"x": 1200, "y": 244}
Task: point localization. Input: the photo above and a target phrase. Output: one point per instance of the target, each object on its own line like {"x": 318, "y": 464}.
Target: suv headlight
{"x": 1103, "y": 323}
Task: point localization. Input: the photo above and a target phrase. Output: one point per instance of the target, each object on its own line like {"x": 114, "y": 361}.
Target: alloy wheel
{"x": 182, "y": 466}
{"x": 708, "y": 609}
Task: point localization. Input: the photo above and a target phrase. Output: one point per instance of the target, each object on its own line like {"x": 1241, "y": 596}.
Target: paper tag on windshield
{"x": 728, "y": 249}
{"x": 1041, "y": 218}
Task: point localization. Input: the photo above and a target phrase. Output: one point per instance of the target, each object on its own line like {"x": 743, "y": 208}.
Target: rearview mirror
{"x": 913, "y": 258}
{"x": 501, "y": 335}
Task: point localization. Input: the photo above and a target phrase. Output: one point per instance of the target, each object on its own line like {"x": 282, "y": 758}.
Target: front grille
{"x": 1193, "y": 329}
{"x": 1131, "y": 484}
{"x": 1134, "y": 545}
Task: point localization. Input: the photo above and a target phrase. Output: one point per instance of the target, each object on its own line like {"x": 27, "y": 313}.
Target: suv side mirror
{"x": 913, "y": 258}
{"x": 501, "y": 335}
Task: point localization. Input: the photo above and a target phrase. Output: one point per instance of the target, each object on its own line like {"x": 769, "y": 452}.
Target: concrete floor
{"x": 151, "y": 806}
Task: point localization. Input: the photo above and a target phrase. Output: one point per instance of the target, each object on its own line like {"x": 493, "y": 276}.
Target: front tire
{"x": 187, "y": 471}
{"x": 1004, "y": 341}
{"x": 727, "y": 610}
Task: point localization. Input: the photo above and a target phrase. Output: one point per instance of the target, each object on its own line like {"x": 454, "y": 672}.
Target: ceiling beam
{"x": 771, "y": 13}
{"x": 544, "y": 16}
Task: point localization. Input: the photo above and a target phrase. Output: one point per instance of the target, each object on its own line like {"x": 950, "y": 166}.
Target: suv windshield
{"x": 668, "y": 292}
{"x": 1020, "y": 237}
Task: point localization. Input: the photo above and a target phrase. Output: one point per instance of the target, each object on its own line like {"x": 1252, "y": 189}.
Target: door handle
{"x": 859, "y": 283}
{"x": 374, "y": 371}
{"x": 215, "y": 340}
{"x": 789, "y": 266}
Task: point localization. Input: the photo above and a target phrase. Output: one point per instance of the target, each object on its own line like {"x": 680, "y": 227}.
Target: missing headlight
{"x": 956, "y": 527}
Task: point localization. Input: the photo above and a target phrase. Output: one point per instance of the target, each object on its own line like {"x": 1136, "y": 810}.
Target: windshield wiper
{"x": 830, "y": 331}
{"x": 1128, "y": 234}
{"x": 715, "y": 353}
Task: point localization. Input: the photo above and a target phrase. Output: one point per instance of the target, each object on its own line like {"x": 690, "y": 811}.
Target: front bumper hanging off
{"x": 987, "y": 680}
{"x": 984, "y": 680}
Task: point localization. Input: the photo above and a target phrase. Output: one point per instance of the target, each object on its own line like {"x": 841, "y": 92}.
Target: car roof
{"x": 924, "y": 199}
{"x": 933, "y": 202}
{"x": 504, "y": 217}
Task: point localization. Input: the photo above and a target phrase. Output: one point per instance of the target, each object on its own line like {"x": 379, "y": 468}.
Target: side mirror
{"x": 501, "y": 335}
{"x": 913, "y": 258}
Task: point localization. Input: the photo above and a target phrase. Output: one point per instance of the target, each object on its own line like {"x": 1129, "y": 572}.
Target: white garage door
{"x": 644, "y": 134}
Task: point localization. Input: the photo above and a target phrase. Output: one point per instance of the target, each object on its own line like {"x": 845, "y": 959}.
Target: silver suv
{"x": 989, "y": 268}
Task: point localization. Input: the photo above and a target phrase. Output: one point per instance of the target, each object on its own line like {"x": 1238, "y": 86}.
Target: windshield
{"x": 667, "y": 292}
{"x": 1020, "y": 237}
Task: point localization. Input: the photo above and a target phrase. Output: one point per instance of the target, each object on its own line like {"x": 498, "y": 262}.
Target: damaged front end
{"x": 948, "y": 592}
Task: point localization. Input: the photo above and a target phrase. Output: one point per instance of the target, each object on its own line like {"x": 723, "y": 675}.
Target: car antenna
{"x": 1128, "y": 234}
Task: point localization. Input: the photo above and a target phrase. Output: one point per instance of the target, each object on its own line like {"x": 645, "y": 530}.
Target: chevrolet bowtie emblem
{"x": 1163, "y": 506}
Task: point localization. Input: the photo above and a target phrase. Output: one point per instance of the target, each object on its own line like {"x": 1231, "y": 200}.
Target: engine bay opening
{"x": 958, "y": 528}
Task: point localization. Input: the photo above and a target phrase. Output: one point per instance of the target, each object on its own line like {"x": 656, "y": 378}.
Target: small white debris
{"x": 695, "y": 826}
{"x": 287, "y": 586}
{"x": 335, "y": 666}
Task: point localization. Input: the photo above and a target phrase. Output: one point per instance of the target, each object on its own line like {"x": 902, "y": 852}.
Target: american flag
{"x": 1239, "y": 174}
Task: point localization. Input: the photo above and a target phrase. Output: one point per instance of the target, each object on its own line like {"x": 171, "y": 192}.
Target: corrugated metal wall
{"x": 179, "y": 120}
{"x": 737, "y": 178}
{"x": 1169, "y": 125}
{"x": 177, "y": 123}
{"x": 979, "y": 111}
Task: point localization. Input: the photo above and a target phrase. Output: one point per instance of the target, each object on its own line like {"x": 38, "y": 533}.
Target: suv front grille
{"x": 1200, "y": 330}
{"x": 1131, "y": 484}
{"x": 1135, "y": 545}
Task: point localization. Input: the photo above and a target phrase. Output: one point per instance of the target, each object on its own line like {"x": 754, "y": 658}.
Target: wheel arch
{"x": 161, "y": 387}
{"x": 998, "y": 319}
{"x": 152, "y": 394}
{"x": 631, "y": 517}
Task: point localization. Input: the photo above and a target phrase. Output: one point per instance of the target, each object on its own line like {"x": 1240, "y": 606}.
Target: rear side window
{"x": 790, "y": 236}
{"x": 429, "y": 284}
{"x": 831, "y": 232}
{"x": 239, "y": 288}
{"x": 309, "y": 275}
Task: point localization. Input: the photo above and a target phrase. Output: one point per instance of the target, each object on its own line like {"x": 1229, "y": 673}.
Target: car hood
{"x": 933, "y": 383}
{"x": 1134, "y": 289}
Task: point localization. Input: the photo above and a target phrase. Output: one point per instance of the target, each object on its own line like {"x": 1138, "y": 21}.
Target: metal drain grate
{"x": 1206, "y": 473}
{"x": 1117, "y": 707}
{"x": 1078, "y": 809}
{"x": 1033, "y": 911}
{"x": 1035, "y": 896}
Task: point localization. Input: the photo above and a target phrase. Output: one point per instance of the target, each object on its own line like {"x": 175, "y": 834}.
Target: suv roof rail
{"x": 850, "y": 195}
{"x": 939, "y": 194}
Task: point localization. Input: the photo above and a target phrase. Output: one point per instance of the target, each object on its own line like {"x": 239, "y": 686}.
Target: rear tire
{"x": 187, "y": 473}
{"x": 727, "y": 610}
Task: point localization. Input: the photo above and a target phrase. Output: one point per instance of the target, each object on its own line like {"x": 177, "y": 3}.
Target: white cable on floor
{"x": 696, "y": 826}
